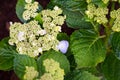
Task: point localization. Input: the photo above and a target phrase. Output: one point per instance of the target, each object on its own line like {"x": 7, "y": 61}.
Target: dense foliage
{"x": 37, "y": 49}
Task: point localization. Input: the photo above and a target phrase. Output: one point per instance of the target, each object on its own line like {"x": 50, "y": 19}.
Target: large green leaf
{"x": 115, "y": 42}
{"x": 20, "y": 9}
{"x": 87, "y": 47}
{"x": 99, "y": 3}
{"x": 111, "y": 67}
{"x": 20, "y": 63}
{"x": 74, "y": 11}
{"x": 7, "y": 53}
{"x": 81, "y": 75}
{"x": 57, "y": 56}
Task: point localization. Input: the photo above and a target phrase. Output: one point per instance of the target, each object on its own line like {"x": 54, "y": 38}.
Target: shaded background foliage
{"x": 7, "y": 14}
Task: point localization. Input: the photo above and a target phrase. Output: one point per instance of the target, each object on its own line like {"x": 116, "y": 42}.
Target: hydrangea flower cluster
{"x": 115, "y": 14}
{"x": 30, "y": 73}
{"x": 31, "y": 38}
{"x": 53, "y": 70}
{"x": 97, "y": 14}
{"x": 30, "y": 10}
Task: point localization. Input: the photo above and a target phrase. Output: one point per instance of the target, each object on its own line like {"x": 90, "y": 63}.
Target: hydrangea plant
{"x": 38, "y": 49}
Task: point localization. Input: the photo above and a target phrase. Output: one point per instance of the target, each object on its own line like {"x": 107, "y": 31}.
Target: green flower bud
{"x": 53, "y": 70}
{"x": 88, "y": 1}
{"x": 105, "y": 1}
{"x": 30, "y": 73}
{"x": 115, "y": 15}
{"x": 91, "y": 10}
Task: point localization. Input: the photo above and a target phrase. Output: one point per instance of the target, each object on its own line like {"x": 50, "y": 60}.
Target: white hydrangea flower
{"x": 36, "y": 53}
{"x": 26, "y": 15}
{"x": 42, "y": 32}
{"x": 37, "y": 38}
{"x": 30, "y": 10}
{"x": 20, "y": 49}
{"x": 52, "y": 24}
{"x": 63, "y": 46}
{"x": 20, "y": 36}
{"x": 10, "y": 42}
{"x": 34, "y": 15}
{"x": 56, "y": 8}
{"x": 50, "y": 37}
{"x": 58, "y": 28}
{"x": 34, "y": 44}
{"x": 28, "y": 1}
{"x": 40, "y": 50}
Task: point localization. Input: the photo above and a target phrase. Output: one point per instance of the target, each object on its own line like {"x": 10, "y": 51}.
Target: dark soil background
{"x": 7, "y": 14}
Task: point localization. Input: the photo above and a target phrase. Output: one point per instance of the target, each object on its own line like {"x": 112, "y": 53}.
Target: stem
{"x": 108, "y": 29}
{"x": 111, "y": 21}
{"x": 95, "y": 26}
{"x": 108, "y": 32}
{"x": 113, "y": 6}
{"x": 103, "y": 36}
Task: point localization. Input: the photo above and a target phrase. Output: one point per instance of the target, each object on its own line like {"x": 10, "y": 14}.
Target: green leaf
{"x": 111, "y": 67}
{"x": 62, "y": 36}
{"x": 38, "y": 18}
{"x": 7, "y": 53}
{"x": 57, "y": 56}
{"x": 99, "y": 3}
{"x": 20, "y": 9}
{"x": 87, "y": 47}
{"x": 80, "y": 75}
{"x": 74, "y": 11}
{"x": 93, "y": 70}
{"x": 20, "y": 62}
{"x": 115, "y": 42}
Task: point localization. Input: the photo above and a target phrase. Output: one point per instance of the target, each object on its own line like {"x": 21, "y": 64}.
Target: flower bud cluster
{"x": 88, "y": 1}
{"x": 53, "y": 70}
{"x": 30, "y": 73}
{"x": 114, "y": 0}
{"x": 97, "y": 14}
{"x": 105, "y": 1}
{"x": 30, "y": 10}
{"x": 31, "y": 38}
{"x": 115, "y": 14}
